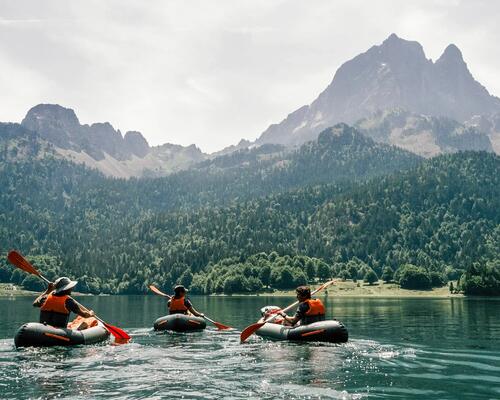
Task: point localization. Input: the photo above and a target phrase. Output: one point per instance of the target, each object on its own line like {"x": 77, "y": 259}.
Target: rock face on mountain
{"x": 136, "y": 143}
{"x": 490, "y": 124}
{"x": 423, "y": 134}
{"x": 394, "y": 75}
{"x": 60, "y": 126}
{"x": 101, "y": 146}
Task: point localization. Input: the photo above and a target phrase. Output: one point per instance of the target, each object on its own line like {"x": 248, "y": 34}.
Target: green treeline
{"x": 437, "y": 221}
{"x": 260, "y": 219}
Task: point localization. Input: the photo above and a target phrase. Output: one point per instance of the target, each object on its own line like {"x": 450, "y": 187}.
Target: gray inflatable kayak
{"x": 323, "y": 331}
{"x": 179, "y": 323}
{"x": 40, "y": 335}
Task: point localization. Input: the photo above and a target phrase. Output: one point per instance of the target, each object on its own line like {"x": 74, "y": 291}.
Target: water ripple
{"x": 214, "y": 365}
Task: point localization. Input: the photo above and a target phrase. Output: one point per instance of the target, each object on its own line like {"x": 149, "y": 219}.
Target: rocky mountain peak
{"x": 100, "y": 145}
{"x": 396, "y": 48}
{"x": 137, "y": 144}
{"x": 53, "y": 122}
{"x": 393, "y": 75}
{"x": 451, "y": 55}
{"x": 52, "y": 112}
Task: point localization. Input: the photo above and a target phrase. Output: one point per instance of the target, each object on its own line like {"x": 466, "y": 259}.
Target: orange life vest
{"x": 316, "y": 307}
{"x": 55, "y": 304}
{"x": 177, "y": 305}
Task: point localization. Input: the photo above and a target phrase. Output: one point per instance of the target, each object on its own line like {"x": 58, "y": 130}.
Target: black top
{"x": 304, "y": 319}
{"x": 302, "y": 309}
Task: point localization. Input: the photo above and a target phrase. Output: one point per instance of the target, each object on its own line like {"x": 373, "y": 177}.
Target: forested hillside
{"x": 51, "y": 206}
{"x": 442, "y": 216}
{"x": 255, "y": 218}
{"x": 340, "y": 153}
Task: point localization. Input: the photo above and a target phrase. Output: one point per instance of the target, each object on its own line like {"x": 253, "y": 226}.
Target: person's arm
{"x": 291, "y": 320}
{"x": 192, "y": 310}
{"x": 77, "y": 308}
{"x": 41, "y": 299}
{"x": 301, "y": 311}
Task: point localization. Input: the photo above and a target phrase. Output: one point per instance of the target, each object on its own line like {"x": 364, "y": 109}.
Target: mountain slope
{"x": 442, "y": 216}
{"x": 102, "y": 147}
{"x": 340, "y": 153}
{"x": 117, "y": 235}
{"x": 394, "y": 75}
{"x": 50, "y": 206}
{"x": 490, "y": 124}
{"x": 423, "y": 134}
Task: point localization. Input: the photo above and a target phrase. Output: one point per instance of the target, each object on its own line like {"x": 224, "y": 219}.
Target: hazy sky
{"x": 212, "y": 72}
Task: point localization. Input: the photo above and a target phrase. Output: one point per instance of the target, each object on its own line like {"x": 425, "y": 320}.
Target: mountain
{"x": 340, "y": 153}
{"x": 424, "y": 135}
{"x": 102, "y": 147}
{"x": 393, "y": 75}
{"x": 441, "y": 215}
{"x": 18, "y": 143}
{"x": 66, "y": 213}
{"x": 490, "y": 124}
{"x": 116, "y": 235}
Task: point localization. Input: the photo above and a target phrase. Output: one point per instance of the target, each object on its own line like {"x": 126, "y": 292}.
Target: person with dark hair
{"x": 56, "y": 303}
{"x": 308, "y": 311}
{"x": 180, "y": 304}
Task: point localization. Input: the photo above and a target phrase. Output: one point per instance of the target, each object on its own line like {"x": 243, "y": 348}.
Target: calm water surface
{"x": 398, "y": 349}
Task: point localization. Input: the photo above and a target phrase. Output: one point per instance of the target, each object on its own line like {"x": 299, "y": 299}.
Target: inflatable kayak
{"x": 332, "y": 331}
{"x": 80, "y": 331}
{"x": 179, "y": 323}
{"x": 322, "y": 331}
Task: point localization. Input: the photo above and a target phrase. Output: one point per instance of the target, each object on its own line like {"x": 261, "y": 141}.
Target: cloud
{"x": 195, "y": 72}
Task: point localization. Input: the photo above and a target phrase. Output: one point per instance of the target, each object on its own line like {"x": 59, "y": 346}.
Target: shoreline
{"x": 11, "y": 290}
{"x": 347, "y": 289}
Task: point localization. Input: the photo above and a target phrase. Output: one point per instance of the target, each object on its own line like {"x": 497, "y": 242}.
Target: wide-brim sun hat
{"x": 180, "y": 288}
{"x": 63, "y": 283}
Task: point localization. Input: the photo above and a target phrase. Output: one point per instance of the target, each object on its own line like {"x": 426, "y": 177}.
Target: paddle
{"x": 19, "y": 261}
{"x": 217, "y": 324}
{"x": 251, "y": 329}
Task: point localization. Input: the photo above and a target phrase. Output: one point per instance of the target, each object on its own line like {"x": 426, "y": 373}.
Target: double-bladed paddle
{"x": 251, "y": 329}
{"x": 217, "y": 324}
{"x": 19, "y": 261}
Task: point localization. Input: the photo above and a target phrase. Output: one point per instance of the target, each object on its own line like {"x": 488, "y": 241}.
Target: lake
{"x": 425, "y": 348}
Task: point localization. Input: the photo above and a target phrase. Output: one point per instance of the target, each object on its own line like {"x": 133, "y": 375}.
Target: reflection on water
{"x": 398, "y": 349}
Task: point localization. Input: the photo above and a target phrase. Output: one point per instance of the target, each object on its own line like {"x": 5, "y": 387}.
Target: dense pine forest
{"x": 258, "y": 219}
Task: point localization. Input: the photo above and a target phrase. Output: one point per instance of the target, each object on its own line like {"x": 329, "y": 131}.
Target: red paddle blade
{"x": 19, "y": 261}
{"x": 158, "y": 291}
{"x": 221, "y": 326}
{"x": 120, "y": 335}
{"x": 250, "y": 330}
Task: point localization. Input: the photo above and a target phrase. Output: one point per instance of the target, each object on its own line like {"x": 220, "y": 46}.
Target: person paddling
{"x": 179, "y": 304}
{"x": 56, "y": 303}
{"x": 308, "y": 311}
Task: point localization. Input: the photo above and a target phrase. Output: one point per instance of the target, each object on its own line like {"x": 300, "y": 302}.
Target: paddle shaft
{"x": 210, "y": 320}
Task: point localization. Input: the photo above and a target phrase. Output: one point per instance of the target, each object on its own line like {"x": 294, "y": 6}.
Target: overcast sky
{"x": 213, "y": 72}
